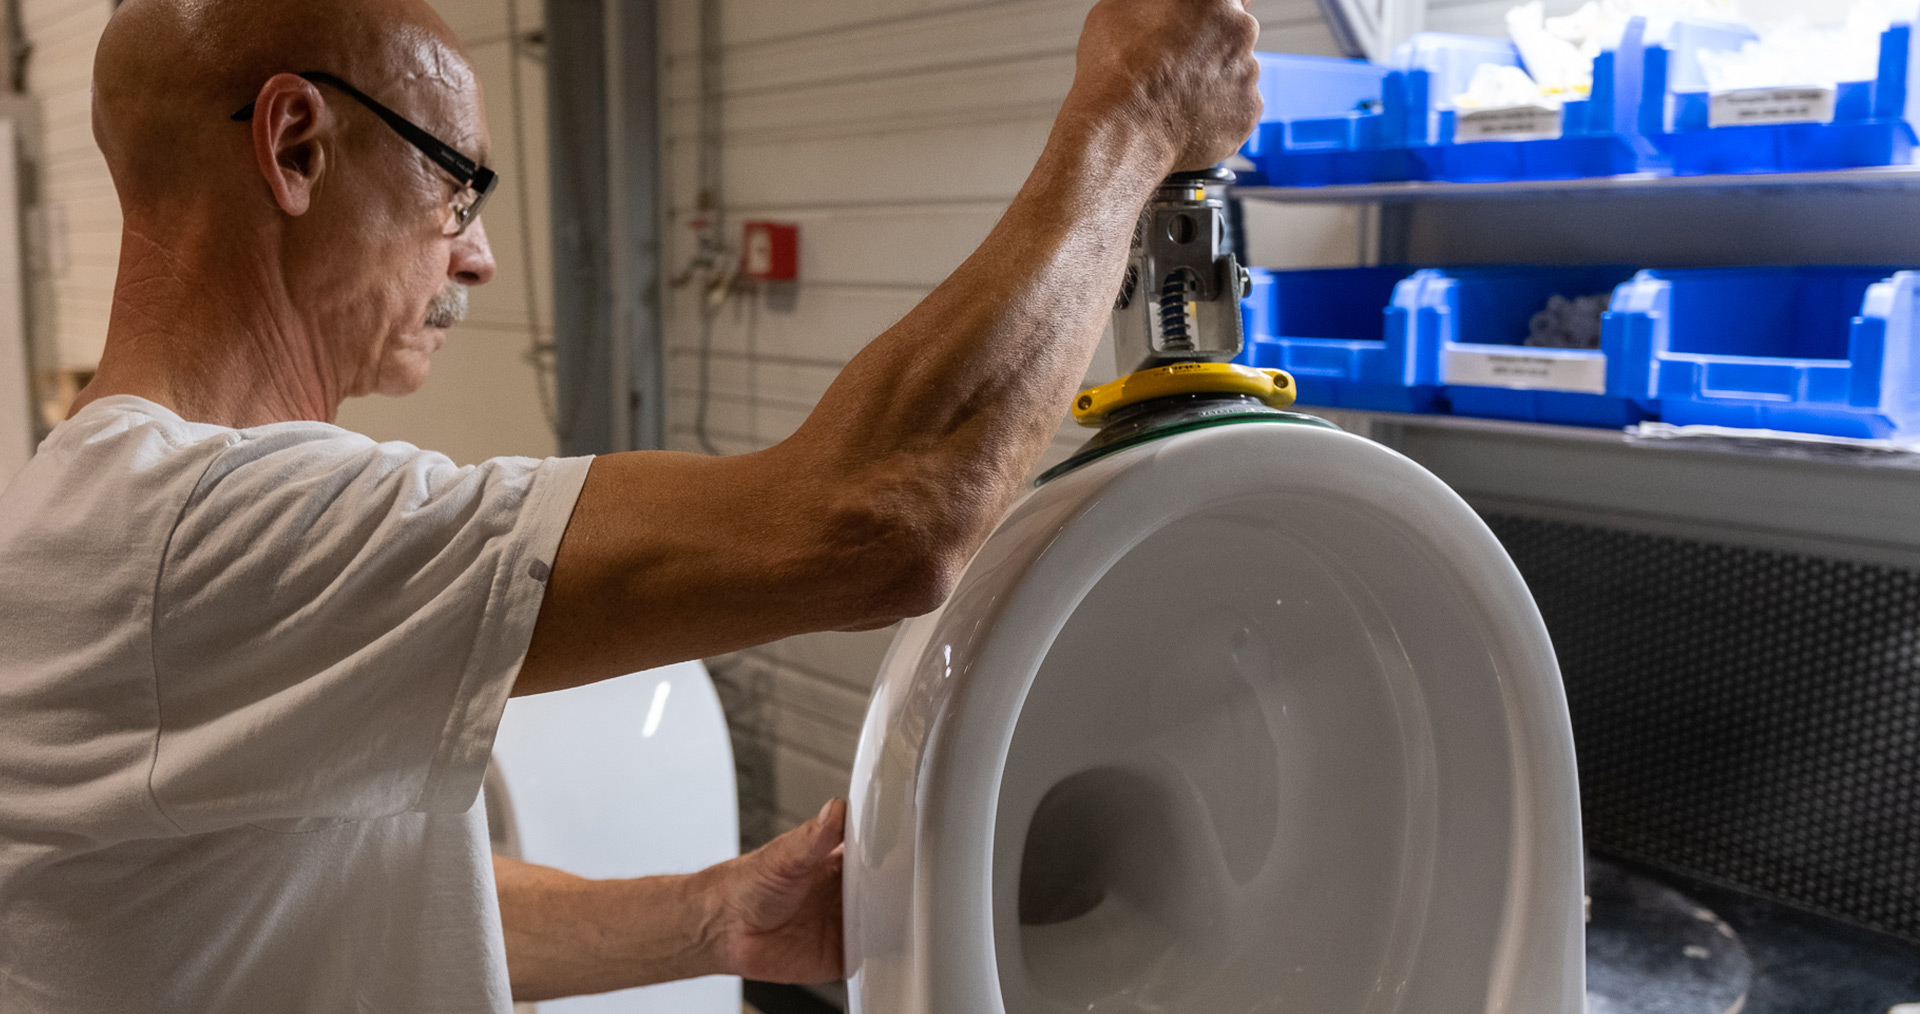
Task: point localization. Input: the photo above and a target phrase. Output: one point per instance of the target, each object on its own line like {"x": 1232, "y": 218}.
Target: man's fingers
{"x": 829, "y": 828}
{"x": 1181, "y": 71}
{"x": 784, "y": 903}
{"x": 794, "y": 855}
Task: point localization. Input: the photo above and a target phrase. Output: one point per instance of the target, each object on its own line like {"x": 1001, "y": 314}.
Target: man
{"x": 251, "y": 664}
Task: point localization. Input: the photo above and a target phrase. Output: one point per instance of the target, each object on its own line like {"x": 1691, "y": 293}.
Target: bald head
{"x": 169, "y": 73}
{"x": 315, "y": 251}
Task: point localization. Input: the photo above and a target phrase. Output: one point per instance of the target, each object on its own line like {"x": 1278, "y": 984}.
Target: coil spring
{"x": 1175, "y": 330}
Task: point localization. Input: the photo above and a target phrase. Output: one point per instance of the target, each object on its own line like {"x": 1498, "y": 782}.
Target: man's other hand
{"x": 779, "y": 906}
{"x": 1180, "y": 70}
{"x": 773, "y": 915}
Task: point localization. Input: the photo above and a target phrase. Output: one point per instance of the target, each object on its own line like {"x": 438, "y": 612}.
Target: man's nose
{"x": 472, "y": 257}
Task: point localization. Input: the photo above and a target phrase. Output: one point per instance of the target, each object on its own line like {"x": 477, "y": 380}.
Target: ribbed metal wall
{"x": 894, "y": 133}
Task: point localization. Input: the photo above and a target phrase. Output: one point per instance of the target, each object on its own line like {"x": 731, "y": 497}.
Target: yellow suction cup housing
{"x": 1094, "y": 405}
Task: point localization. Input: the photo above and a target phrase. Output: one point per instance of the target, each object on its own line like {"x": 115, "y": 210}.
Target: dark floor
{"x": 767, "y": 998}
{"x": 1810, "y": 964}
{"x": 1803, "y": 963}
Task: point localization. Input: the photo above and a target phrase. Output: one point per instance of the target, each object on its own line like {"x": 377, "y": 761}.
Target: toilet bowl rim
{"x": 1055, "y": 546}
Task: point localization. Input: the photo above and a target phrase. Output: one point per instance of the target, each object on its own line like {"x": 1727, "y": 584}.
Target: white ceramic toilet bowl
{"x": 1254, "y": 718}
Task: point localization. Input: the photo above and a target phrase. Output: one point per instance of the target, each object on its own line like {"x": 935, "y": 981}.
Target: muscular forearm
{"x": 953, "y": 405}
{"x": 567, "y": 935}
{"x": 867, "y": 513}
{"x": 907, "y": 462}
{"x": 950, "y": 409}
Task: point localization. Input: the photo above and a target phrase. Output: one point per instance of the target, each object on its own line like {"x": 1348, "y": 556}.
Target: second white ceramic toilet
{"x": 1249, "y": 717}
{"x": 630, "y": 777}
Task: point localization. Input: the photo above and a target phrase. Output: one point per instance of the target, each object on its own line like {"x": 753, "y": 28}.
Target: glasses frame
{"x": 467, "y": 172}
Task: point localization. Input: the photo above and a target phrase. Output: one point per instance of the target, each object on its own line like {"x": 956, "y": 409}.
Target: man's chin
{"x": 406, "y": 372}
{"x": 397, "y": 386}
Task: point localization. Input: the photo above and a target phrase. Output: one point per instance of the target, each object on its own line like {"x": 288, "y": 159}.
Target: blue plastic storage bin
{"x": 1479, "y": 317}
{"x": 1872, "y": 120}
{"x": 1326, "y": 121}
{"x": 1599, "y": 136}
{"x": 1814, "y": 350}
{"x": 1343, "y": 335}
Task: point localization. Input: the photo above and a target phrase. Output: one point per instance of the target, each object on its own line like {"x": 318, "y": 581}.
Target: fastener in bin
{"x": 1482, "y": 319}
{"x": 1344, "y": 336}
{"x": 1830, "y": 350}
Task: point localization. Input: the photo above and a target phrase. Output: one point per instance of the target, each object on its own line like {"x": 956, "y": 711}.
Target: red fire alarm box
{"x": 770, "y": 252}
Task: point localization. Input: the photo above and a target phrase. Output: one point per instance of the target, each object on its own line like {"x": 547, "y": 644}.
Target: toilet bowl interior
{"x": 1262, "y": 763}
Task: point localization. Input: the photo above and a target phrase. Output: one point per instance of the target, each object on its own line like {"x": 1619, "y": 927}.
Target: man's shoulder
{"x": 146, "y": 440}
{"x": 125, "y": 425}
{"x": 128, "y": 476}
{"x": 122, "y": 460}
{"x": 119, "y": 455}
{"x": 128, "y": 443}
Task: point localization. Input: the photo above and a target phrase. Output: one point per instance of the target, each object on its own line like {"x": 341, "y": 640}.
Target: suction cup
{"x": 1177, "y": 398}
{"x": 1166, "y": 416}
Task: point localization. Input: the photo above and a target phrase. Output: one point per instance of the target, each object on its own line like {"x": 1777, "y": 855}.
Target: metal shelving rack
{"x": 1880, "y": 179}
{"x": 1815, "y": 496}
{"x": 1670, "y": 757}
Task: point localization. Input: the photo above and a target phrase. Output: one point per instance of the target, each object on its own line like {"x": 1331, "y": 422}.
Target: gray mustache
{"x": 449, "y": 306}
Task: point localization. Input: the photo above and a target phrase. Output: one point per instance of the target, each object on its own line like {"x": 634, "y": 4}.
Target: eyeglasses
{"x": 476, "y": 181}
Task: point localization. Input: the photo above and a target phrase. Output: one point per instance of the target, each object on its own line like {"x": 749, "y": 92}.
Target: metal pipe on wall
{"x": 635, "y": 211}
{"x": 603, "y": 99}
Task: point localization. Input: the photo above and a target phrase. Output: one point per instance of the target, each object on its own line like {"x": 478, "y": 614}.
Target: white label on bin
{"x": 1746, "y": 107}
{"x": 1514, "y": 123}
{"x": 1586, "y": 373}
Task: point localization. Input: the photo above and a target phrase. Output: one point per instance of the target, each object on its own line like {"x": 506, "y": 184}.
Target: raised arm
{"x": 868, "y": 512}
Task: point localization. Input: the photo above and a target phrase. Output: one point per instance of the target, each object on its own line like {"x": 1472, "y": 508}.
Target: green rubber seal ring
{"x": 1178, "y": 419}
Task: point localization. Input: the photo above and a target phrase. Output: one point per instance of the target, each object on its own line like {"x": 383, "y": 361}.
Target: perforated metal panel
{"x": 1744, "y": 716}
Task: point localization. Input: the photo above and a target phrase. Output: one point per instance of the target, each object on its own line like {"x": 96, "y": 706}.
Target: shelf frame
{"x": 1809, "y": 498}
{"x": 1813, "y": 497}
{"x": 1876, "y": 178}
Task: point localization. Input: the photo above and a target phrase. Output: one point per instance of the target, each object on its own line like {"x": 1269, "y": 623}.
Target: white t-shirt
{"x": 249, "y": 680}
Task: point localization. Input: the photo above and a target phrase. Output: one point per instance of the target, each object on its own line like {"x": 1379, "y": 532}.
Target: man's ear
{"x": 289, "y": 121}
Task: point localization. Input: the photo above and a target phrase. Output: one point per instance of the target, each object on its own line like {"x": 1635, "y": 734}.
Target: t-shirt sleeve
{"x": 338, "y": 625}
